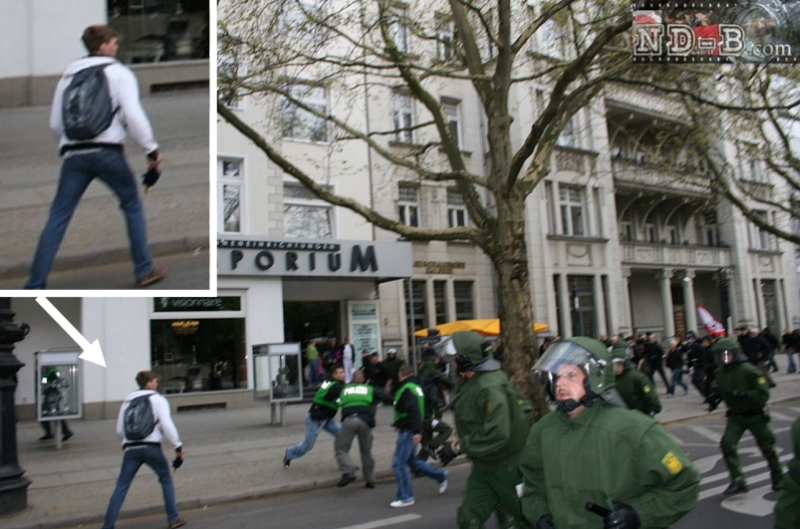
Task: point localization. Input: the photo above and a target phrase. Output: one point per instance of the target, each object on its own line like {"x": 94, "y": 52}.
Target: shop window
{"x": 192, "y": 355}
{"x": 408, "y": 205}
{"x": 300, "y": 123}
{"x": 304, "y": 215}
{"x": 440, "y": 301}
{"x": 572, "y": 210}
{"x": 463, "y": 295}
{"x": 160, "y": 31}
{"x": 230, "y": 182}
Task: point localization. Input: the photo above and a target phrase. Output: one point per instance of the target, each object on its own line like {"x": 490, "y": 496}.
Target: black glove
{"x": 448, "y": 452}
{"x": 176, "y": 463}
{"x": 738, "y": 394}
{"x": 545, "y": 522}
{"x": 150, "y": 178}
{"x": 622, "y": 517}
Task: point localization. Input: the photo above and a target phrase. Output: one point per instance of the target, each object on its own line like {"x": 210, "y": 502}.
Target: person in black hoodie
{"x": 409, "y": 409}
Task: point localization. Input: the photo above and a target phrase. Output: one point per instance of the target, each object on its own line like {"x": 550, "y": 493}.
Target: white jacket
{"x": 124, "y": 95}
{"x": 164, "y": 427}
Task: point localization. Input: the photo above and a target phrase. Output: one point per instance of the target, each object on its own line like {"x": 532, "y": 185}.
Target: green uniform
{"x": 358, "y": 419}
{"x": 787, "y": 510}
{"x": 746, "y": 413}
{"x": 492, "y": 426}
{"x": 637, "y": 391}
{"x": 605, "y": 454}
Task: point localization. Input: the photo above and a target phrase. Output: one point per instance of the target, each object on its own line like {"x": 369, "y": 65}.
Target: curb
{"x": 114, "y": 255}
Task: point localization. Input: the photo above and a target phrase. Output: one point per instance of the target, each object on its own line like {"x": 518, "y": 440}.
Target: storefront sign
{"x": 439, "y": 267}
{"x": 229, "y": 303}
{"x": 249, "y": 256}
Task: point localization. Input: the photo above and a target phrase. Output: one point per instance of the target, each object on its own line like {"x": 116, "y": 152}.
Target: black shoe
{"x": 735, "y": 488}
{"x": 369, "y": 485}
{"x": 772, "y": 384}
{"x": 45, "y": 437}
{"x": 67, "y": 436}
{"x": 286, "y": 459}
{"x": 346, "y": 480}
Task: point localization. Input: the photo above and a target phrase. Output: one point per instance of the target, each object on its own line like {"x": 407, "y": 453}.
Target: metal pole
{"x": 13, "y": 487}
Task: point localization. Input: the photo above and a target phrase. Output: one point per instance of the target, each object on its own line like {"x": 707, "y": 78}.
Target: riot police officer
{"x": 619, "y": 462}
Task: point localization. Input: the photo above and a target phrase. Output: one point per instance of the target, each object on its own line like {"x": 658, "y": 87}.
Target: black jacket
{"x": 408, "y": 404}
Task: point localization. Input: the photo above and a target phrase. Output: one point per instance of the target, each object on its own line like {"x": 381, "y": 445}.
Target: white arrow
{"x": 91, "y": 352}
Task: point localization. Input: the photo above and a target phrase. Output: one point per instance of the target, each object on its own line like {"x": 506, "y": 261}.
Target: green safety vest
{"x": 319, "y": 398}
{"x": 356, "y": 395}
{"x": 417, "y": 392}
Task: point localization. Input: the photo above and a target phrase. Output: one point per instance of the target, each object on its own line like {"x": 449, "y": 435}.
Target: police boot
{"x": 735, "y": 488}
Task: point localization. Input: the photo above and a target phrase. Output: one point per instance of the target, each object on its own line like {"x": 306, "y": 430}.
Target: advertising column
{"x": 364, "y": 327}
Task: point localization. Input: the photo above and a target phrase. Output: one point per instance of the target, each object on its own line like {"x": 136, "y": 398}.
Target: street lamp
{"x": 13, "y": 487}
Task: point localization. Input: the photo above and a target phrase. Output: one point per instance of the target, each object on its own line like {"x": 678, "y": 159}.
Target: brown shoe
{"x": 153, "y": 276}
{"x": 180, "y": 522}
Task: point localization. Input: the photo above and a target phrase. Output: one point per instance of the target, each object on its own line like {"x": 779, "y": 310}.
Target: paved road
{"x": 355, "y": 507}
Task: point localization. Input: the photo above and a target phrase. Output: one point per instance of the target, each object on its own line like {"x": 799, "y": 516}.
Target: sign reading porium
{"x": 251, "y": 256}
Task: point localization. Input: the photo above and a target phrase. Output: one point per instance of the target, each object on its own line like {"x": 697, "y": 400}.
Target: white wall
{"x": 40, "y": 37}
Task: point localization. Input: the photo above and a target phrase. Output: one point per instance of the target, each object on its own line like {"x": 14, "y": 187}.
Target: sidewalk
{"x": 177, "y": 208}
{"x": 231, "y": 455}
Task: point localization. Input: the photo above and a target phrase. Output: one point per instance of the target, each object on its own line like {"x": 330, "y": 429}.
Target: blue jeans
{"x": 677, "y": 378}
{"x": 77, "y": 172}
{"x": 134, "y": 458}
{"x": 792, "y": 368}
{"x": 405, "y": 457}
{"x": 313, "y": 427}
{"x": 313, "y": 368}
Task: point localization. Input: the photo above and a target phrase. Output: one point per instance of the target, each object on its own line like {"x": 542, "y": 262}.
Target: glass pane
{"x": 454, "y": 197}
{"x": 577, "y": 220}
{"x": 230, "y": 168}
{"x": 462, "y": 292}
{"x": 407, "y": 193}
{"x": 232, "y": 207}
{"x": 440, "y": 299}
{"x": 307, "y": 222}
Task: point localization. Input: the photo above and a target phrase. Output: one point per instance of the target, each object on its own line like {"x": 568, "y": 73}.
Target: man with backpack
{"x": 96, "y": 104}
{"x": 144, "y": 419}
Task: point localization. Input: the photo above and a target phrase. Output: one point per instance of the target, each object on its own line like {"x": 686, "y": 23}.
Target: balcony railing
{"x": 652, "y": 176}
{"x": 672, "y": 255}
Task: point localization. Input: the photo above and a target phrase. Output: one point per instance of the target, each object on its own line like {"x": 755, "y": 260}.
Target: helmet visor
{"x": 727, "y": 357}
{"x": 565, "y": 353}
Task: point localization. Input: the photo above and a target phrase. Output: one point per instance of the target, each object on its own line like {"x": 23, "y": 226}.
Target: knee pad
{"x": 468, "y": 519}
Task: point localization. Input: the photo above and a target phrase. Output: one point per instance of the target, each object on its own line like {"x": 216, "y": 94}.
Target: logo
{"x": 672, "y": 463}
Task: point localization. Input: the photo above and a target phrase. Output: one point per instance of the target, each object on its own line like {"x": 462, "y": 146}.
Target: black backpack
{"x": 86, "y": 108}
{"x": 139, "y": 420}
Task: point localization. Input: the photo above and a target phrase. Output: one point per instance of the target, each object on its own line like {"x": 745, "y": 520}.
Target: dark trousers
{"x": 759, "y": 427}
{"x": 651, "y": 370}
{"x": 49, "y": 433}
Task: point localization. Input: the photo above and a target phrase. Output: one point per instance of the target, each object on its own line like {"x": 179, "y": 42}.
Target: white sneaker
{"x": 443, "y": 484}
{"x": 401, "y": 503}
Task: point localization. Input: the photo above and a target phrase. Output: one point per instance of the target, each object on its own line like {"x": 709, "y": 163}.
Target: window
{"x": 553, "y": 40}
{"x": 451, "y": 111}
{"x": 228, "y": 71}
{"x": 650, "y": 232}
{"x": 440, "y": 301}
{"x": 399, "y": 29}
{"x": 751, "y": 169}
{"x": 408, "y": 205}
{"x": 304, "y": 215}
{"x": 462, "y": 293}
{"x": 569, "y": 134}
{"x": 626, "y": 227}
{"x": 300, "y": 123}
{"x": 707, "y": 229}
{"x": 762, "y": 238}
{"x": 456, "y": 210}
{"x": 445, "y": 36}
{"x": 571, "y": 203}
{"x": 403, "y": 118}
{"x": 416, "y": 301}
{"x": 299, "y": 20}
{"x": 229, "y": 194}
{"x": 672, "y": 234}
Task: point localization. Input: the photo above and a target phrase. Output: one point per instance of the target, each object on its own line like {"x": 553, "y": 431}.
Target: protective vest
{"x": 417, "y": 392}
{"x": 319, "y": 398}
{"x": 356, "y": 395}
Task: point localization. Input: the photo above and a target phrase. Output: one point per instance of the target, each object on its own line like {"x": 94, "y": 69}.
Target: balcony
{"x": 628, "y": 173}
{"x": 677, "y": 256}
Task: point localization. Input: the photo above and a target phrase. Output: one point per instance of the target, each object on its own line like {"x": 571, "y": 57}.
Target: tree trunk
{"x": 509, "y": 252}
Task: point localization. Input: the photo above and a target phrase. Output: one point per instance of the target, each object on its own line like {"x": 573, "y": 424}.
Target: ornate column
{"x": 13, "y": 487}
{"x": 665, "y": 278}
{"x": 689, "y": 300}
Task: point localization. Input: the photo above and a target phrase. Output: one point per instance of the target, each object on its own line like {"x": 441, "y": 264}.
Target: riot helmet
{"x": 591, "y": 357}
{"x": 473, "y": 352}
{"x": 728, "y": 351}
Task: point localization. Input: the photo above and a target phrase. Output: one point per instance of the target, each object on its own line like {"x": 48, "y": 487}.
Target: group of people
{"x": 597, "y": 460}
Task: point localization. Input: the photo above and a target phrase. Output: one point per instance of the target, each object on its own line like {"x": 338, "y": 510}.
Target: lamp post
{"x": 13, "y": 487}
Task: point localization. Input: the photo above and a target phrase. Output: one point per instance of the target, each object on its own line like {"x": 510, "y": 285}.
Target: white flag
{"x": 713, "y": 327}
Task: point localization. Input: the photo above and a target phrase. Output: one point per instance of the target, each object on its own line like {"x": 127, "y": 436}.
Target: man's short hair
{"x": 144, "y": 377}
{"x": 95, "y": 36}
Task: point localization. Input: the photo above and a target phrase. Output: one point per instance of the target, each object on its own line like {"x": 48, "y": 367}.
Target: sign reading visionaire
{"x": 292, "y": 258}
{"x": 759, "y": 31}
